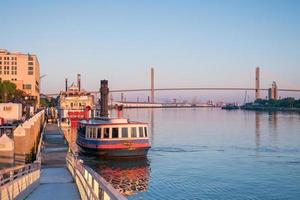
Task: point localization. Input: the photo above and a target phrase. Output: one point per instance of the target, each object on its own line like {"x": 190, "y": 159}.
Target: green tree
{"x": 7, "y": 91}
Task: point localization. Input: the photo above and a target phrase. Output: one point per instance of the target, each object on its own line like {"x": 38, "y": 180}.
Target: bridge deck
{"x": 56, "y": 181}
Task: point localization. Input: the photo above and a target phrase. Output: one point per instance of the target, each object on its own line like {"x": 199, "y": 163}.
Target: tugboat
{"x": 112, "y": 137}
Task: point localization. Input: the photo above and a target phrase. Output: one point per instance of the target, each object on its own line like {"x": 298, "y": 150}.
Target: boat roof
{"x": 110, "y": 121}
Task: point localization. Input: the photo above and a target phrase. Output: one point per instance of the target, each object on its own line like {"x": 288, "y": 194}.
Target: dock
{"x": 56, "y": 174}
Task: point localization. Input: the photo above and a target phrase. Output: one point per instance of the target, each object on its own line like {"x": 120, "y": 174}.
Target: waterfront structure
{"x": 137, "y": 104}
{"x": 11, "y": 111}
{"x": 10, "y": 116}
{"x": 273, "y": 92}
{"x": 112, "y": 137}
{"x": 23, "y": 70}
{"x": 54, "y": 170}
{"x": 257, "y": 83}
{"x": 74, "y": 104}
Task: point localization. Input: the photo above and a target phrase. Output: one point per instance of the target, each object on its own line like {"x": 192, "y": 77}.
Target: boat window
{"x": 82, "y": 130}
{"x": 93, "y": 133}
{"x": 99, "y": 133}
{"x": 145, "y": 128}
{"x": 124, "y": 132}
{"x": 141, "y": 130}
{"x": 89, "y": 132}
{"x": 115, "y": 132}
{"x": 106, "y": 133}
{"x": 133, "y": 132}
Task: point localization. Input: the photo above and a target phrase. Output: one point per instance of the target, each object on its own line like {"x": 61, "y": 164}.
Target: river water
{"x": 208, "y": 153}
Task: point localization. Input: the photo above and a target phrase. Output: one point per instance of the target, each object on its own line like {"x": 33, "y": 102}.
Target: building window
{"x": 30, "y": 70}
{"x": 124, "y": 132}
{"x": 133, "y": 132}
{"x": 14, "y": 70}
{"x": 115, "y": 132}
{"x": 6, "y": 70}
{"x": 27, "y": 86}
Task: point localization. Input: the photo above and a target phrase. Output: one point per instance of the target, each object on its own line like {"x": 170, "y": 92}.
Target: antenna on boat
{"x": 104, "y": 98}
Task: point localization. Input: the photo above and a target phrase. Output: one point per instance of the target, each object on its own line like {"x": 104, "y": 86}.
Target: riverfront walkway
{"x": 56, "y": 182}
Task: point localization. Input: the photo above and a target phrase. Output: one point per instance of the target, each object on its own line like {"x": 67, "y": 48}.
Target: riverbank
{"x": 272, "y": 109}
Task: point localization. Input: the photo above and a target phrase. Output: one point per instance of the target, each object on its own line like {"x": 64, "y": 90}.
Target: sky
{"x": 203, "y": 43}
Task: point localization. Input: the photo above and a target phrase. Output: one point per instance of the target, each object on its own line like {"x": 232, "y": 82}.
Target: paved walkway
{"x": 56, "y": 182}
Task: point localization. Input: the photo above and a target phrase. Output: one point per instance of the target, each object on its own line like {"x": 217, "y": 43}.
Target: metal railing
{"x": 91, "y": 185}
{"x": 39, "y": 149}
{"x": 17, "y": 182}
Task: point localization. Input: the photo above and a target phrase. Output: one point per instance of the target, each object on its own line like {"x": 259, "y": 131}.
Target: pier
{"x": 56, "y": 174}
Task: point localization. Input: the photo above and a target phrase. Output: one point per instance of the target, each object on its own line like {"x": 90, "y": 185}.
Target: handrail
{"x": 19, "y": 180}
{"x": 39, "y": 154}
{"x": 10, "y": 174}
{"x": 89, "y": 182}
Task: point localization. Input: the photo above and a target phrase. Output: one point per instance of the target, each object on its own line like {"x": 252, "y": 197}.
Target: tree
{"x": 7, "y": 91}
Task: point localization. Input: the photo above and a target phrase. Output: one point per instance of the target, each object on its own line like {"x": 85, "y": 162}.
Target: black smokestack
{"x": 78, "y": 82}
{"x": 104, "y": 98}
{"x": 66, "y": 84}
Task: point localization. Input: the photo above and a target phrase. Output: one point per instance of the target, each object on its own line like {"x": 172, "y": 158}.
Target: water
{"x": 207, "y": 153}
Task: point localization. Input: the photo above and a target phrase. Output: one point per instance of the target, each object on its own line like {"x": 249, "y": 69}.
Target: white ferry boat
{"x": 112, "y": 137}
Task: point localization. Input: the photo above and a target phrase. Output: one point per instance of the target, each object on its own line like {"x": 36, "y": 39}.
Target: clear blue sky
{"x": 190, "y": 43}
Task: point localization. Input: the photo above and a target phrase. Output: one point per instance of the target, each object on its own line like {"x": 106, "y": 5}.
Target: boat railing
{"x": 90, "y": 184}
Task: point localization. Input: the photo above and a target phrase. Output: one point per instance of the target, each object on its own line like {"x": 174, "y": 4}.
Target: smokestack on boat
{"x": 66, "y": 84}
{"x": 104, "y": 98}
{"x": 78, "y": 82}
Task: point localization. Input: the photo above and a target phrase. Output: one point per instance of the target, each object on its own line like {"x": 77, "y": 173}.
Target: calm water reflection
{"x": 211, "y": 154}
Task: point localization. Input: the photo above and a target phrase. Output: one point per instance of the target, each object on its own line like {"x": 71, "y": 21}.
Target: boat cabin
{"x": 112, "y": 129}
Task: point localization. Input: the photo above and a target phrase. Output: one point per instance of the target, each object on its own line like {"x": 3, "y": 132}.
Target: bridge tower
{"x": 257, "y": 83}
{"x": 152, "y": 85}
